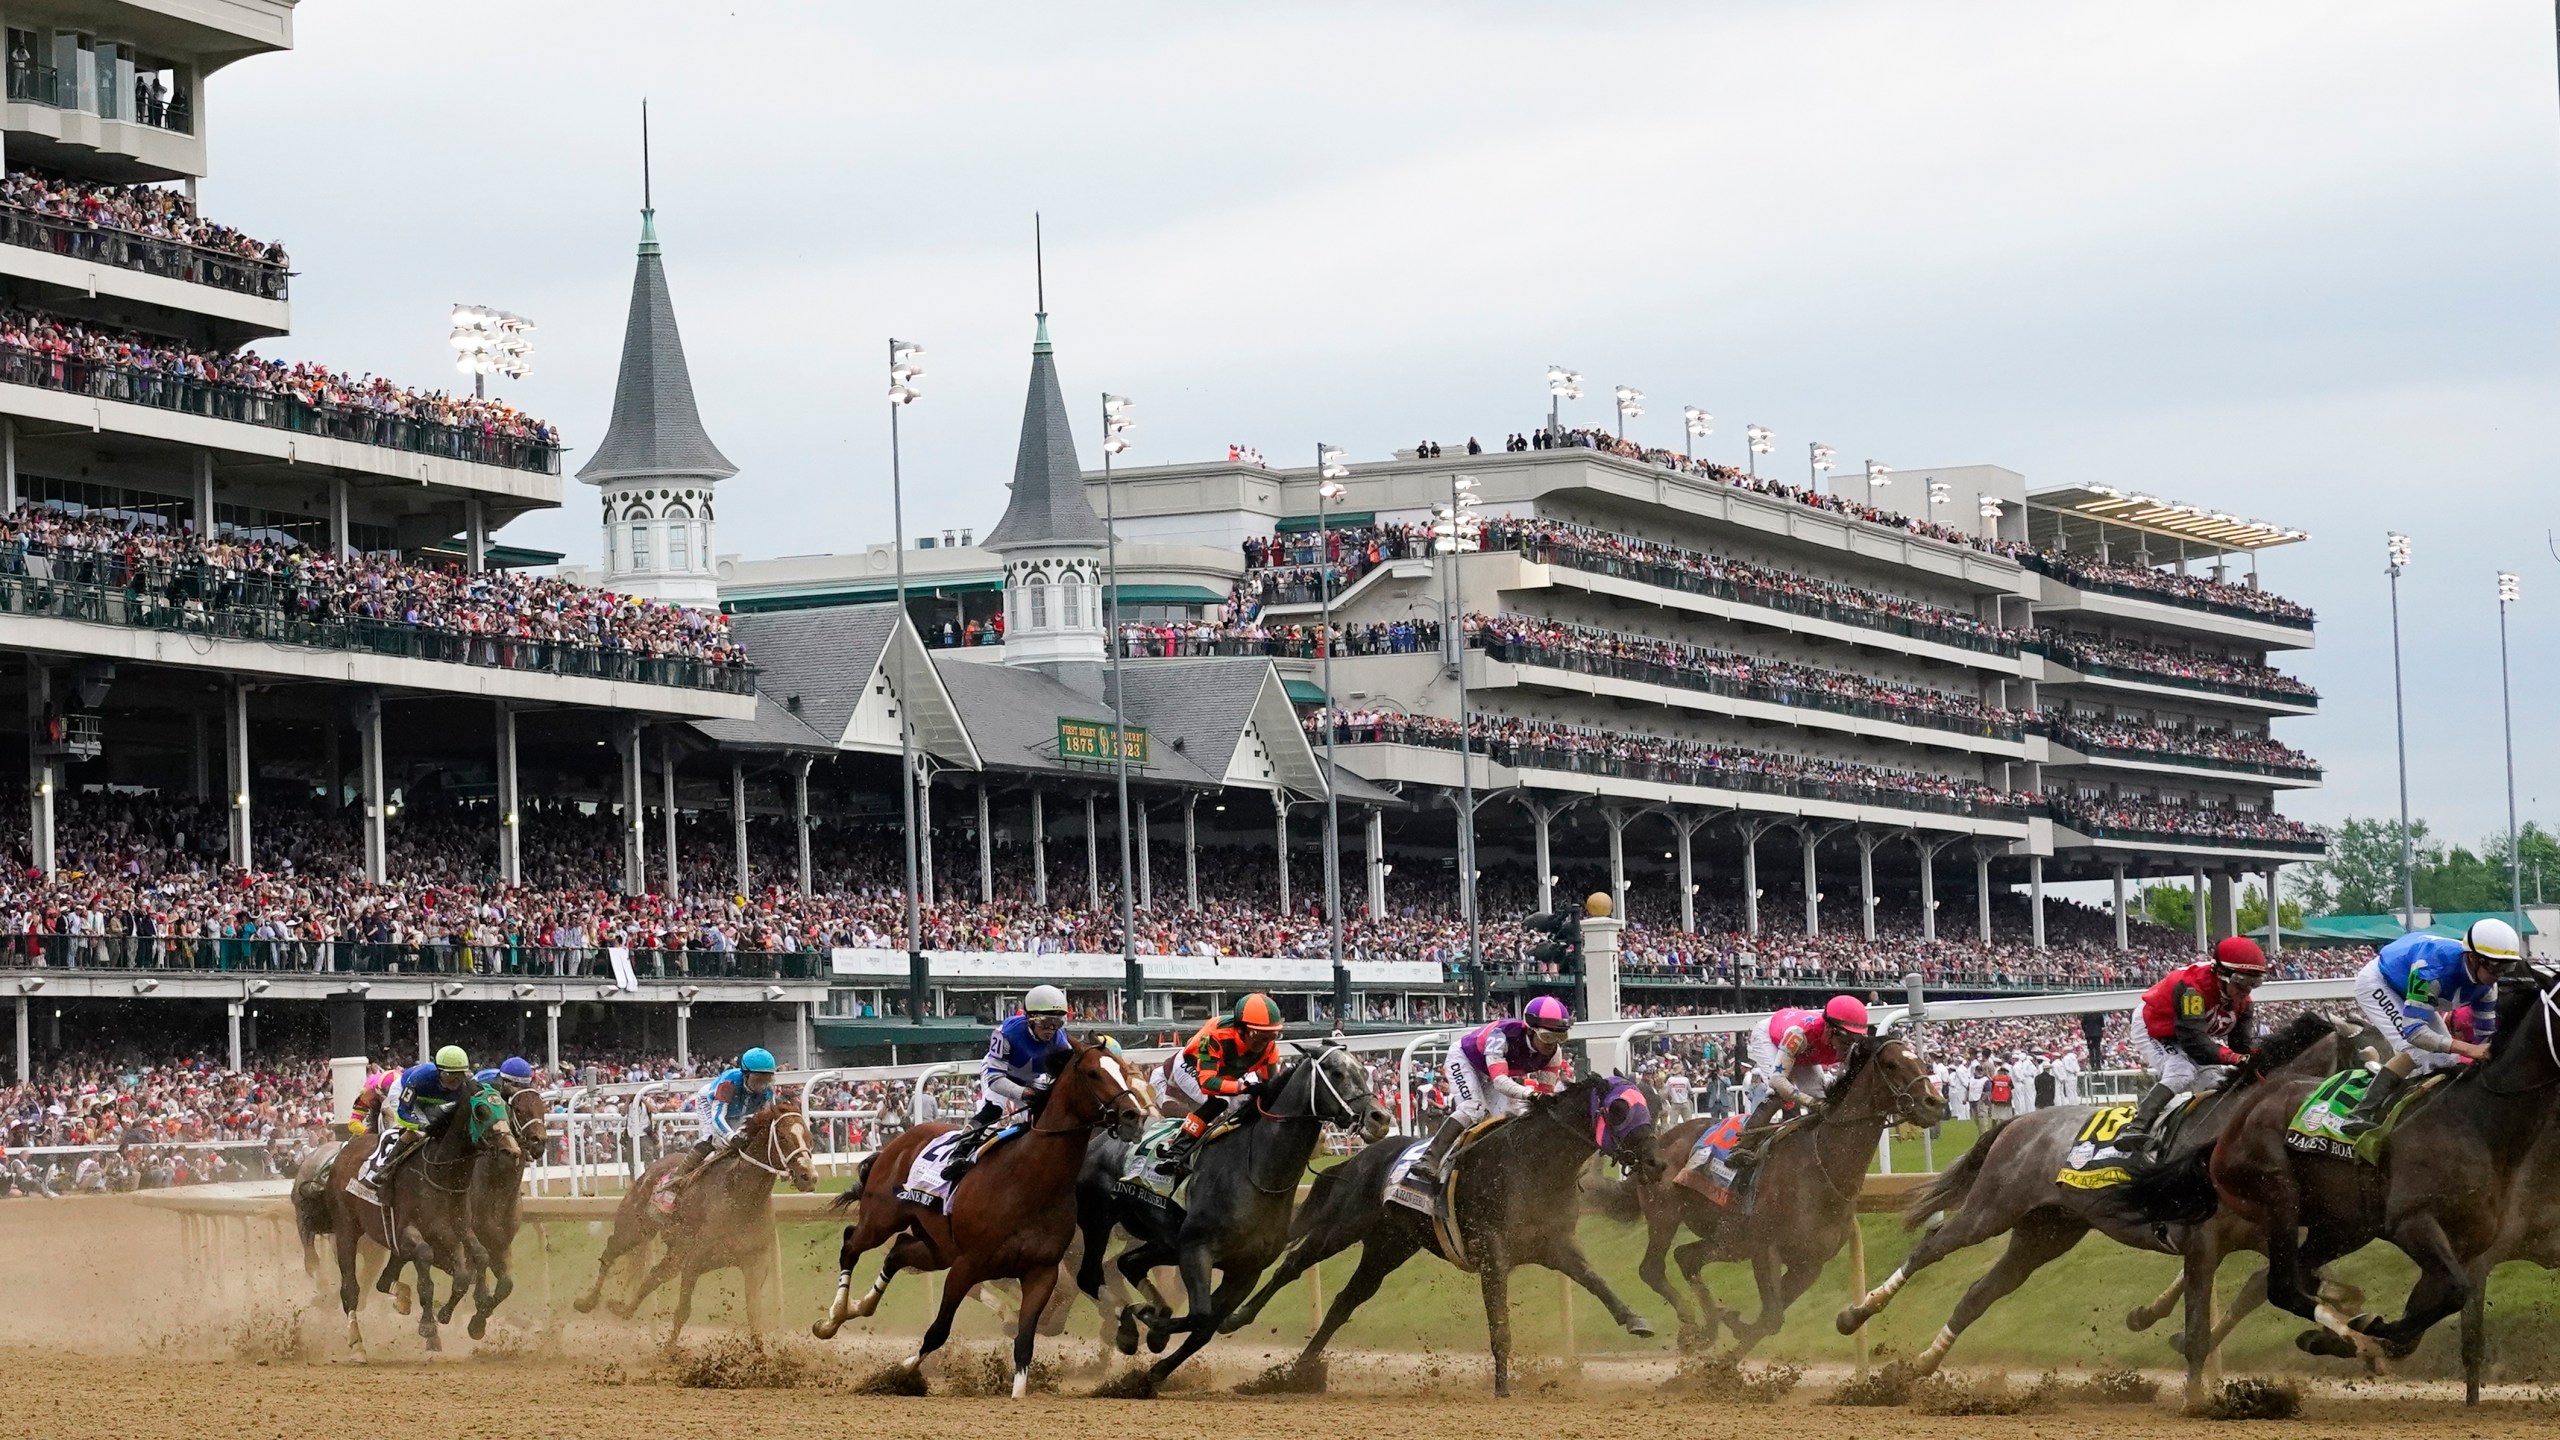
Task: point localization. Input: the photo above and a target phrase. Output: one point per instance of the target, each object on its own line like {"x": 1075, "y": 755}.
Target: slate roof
{"x": 773, "y": 728}
{"x": 1012, "y": 717}
{"x": 823, "y": 656}
{"x": 656, "y": 429}
{"x": 1048, "y": 505}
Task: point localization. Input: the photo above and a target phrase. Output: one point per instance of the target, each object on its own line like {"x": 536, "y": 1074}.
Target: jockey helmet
{"x": 1848, "y": 1012}
{"x": 1044, "y": 1000}
{"x": 2494, "y": 941}
{"x": 516, "y": 1067}
{"x": 1547, "y": 1013}
{"x": 1256, "y": 1012}
{"x": 453, "y": 1060}
{"x": 758, "y": 1061}
{"x": 2240, "y": 955}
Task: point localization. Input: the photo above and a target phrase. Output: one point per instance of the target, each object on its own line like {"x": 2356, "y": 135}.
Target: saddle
{"x": 2094, "y": 1163}
{"x": 1143, "y": 1174}
{"x": 1710, "y": 1171}
{"x": 2314, "y": 1128}
{"x": 1439, "y": 1202}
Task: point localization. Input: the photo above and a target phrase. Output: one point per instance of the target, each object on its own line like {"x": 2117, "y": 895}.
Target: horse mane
{"x": 2280, "y": 1049}
{"x": 1853, "y": 1064}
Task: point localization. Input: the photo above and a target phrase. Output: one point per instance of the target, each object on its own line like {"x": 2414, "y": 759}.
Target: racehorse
{"x": 724, "y": 1218}
{"x": 1806, "y": 1200}
{"x": 2441, "y": 1192}
{"x": 1515, "y": 1206}
{"x": 496, "y": 1195}
{"x": 2006, "y": 1185}
{"x": 1009, "y": 1218}
{"x": 1242, "y": 1190}
{"x": 426, "y": 1223}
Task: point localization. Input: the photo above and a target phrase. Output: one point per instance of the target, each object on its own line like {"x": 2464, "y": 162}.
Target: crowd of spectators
{"x": 2089, "y": 733}
{"x": 2187, "y": 666}
{"x": 1193, "y": 638}
{"x": 150, "y": 211}
{"x": 66, "y": 354}
{"x": 186, "y": 574}
{"x": 2088, "y": 571}
{"x": 1547, "y": 745}
{"x": 2170, "y": 820}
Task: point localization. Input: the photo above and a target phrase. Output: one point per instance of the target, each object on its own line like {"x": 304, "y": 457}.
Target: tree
{"x": 2170, "y": 904}
{"x": 2361, "y": 873}
{"x": 2253, "y": 910}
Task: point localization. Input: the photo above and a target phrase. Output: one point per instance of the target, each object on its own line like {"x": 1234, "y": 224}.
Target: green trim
{"x": 1169, "y": 595}
{"x": 828, "y": 599}
{"x": 1303, "y": 692}
{"x": 1299, "y": 524}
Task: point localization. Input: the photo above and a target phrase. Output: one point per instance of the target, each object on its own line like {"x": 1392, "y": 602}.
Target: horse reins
{"x": 1315, "y": 1063}
{"x": 772, "y": 1141}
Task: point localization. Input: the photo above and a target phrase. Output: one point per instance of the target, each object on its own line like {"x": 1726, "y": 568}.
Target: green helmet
{"x": 452, "y": 1057}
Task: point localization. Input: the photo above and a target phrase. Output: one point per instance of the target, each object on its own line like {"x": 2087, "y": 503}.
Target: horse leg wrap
{"x": 1880, "y": 1296}
{"x": 1937, "y": 1351}
{"x": 871, "y": 1298}
{"x": 844, "y": 1291}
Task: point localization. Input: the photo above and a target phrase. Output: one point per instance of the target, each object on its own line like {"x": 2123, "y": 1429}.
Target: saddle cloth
{"x": 2314, "y": 1127}
{"x": 924, "y": 1184}
{"x": 2094, "y": 1163}
{"x": 1710, "y": 1169}
{"x": 1143, "y": 1172}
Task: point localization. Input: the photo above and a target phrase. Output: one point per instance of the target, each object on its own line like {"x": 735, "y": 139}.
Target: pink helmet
{"x": 1848, "y": 1012}
{"x": 1548, "y": 1013}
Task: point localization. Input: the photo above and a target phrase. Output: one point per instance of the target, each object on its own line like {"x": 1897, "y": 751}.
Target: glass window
{"x": 679, "y": 548}
{"x": 1071, "y": 602}
{"x": 1038, "y": 589}
{"x": 640, "y": 547}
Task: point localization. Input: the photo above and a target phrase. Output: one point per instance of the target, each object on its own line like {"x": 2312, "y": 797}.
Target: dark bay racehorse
{"x": 723, "y": 1220}
{"x": 2005, "y": 1185}
{"x": 1806, "y": 1199}
{"x": 2441, "y": 1195}
{"x": 428, "y": 1223}
{"x": 1237, "y": 1219}
{"x": 1516, "y": 1205}
{"x": 492, "y": 1204}
{"x": 1010, "y": 1217}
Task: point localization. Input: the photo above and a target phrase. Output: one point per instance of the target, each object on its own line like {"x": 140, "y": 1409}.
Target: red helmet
{"x": 2240, "y": 955}
{"x": 1848, "y": 1012}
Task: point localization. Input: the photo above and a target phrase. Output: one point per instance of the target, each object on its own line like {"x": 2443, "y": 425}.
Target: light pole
{"x": 491, "y": 342}
{"x": 1454, "y": 532}
{"x": 1700, "y": 425}
{"x": 1116, "y": 426}
{"x": 1876, "y": 475}
{"x": 1991, "y": 509}
{"x": 1759, "y": 440}
{"x": 1330, "y": 472}
{"x": 1940, "y": 493}
{"x": 2506, "y": 707}
{"x": 1822, "y": 456}
{"x": 2396, "y": 549}
{"x": 1562, "y": 385}
{"x": 904, "y": 372}
{"x": 1630, "y": 405}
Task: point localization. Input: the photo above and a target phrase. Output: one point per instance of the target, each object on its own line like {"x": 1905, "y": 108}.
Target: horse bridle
{"x": 773, "y": 1142}
{"x": 1332, "y": 1092}
{"x": 2547, "y": 998}
{"x": 1126, "y": 1091}
{"x": 1897, "y": 1094}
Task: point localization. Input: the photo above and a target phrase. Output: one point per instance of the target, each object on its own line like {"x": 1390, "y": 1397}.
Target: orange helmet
{"x": 1256, "y": 1012}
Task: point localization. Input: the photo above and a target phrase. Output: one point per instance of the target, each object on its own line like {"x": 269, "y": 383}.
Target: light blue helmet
{"x": 758, "y": 1060}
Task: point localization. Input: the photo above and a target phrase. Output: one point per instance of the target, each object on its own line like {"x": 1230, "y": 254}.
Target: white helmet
{"x": 2493, "y": 940}
{"x": 1045, "y": 1000}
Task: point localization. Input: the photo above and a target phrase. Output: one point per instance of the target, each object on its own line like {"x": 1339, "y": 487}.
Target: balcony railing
{"x": 2088, "y": 746}
{"x": 2064, "y": 655}
{"x": 39, "y": 85}
{"x": 1536, "y": 755}
{"x": 1649, "y": 672}
{"x": 2063, "y": 570}
{"x": 197, "y": 600}
{"x": 2313, "y": 845}
{"x": 174, "y": 952}
{"x": 126, "y": 250}
{"x": 44, "y": 85}
{"x": 162, "y": 390}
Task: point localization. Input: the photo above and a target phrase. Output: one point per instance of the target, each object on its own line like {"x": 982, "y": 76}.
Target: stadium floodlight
{"x": 1116, "y": 424}
{"x": 490, "y": 342}
{"x": 1329, "y": 465}
{"x": 2508, "y": 590}
{"x": 2396, "y": 550}
{"x": 1876, "y": 475}
{"x": 1700, "y": 425}
{"x": 904, "y": 372}
{"x": 1823, "y": 455}
{"x": 1630, "y": 405}
{"x": 1940, "y": 493}
{"x": 1758, "y": 440}
{"x": 1991, "y": 509}
{"x": 1562, "y": 385}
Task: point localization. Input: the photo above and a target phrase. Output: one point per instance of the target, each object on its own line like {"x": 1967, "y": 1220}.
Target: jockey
{"x": 1495, "y": 1071}
{"x": 508, "y": 1076}
{"x": 724, "y": 1104}
{"x": 366, "y": 1111}
{"x": 2194, "y": 1025}
{"x": 2406, "y": 991}
{"x": 1015, "y": 1076}
{"x": 413, "y": 1102}
{"x": 1793, "y": 1050}
{"x": 1229, "y": 1057}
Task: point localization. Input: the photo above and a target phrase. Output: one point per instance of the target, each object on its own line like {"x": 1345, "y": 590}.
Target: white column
{"x": 1982, "y": 895}
{"x": 2203, "y": 904}
{"x": 1092, "y": 857}
{"x": 2275, "y": 913}
{"x": 1812, "y": 884}
{"x": 667, "y": 813}
{"x": 203, "y": 496}
{"x": 1280, "y": 830}
{"x": 341, "y": 522}
{"x": 1375, "y": 834}
{"x": 1039, "y": 849}
{"x": 1544, "y": 818}
{"x": 2123, "y": 940}
{"x": 803, "y": 1042}
{"x": 551, "y": 1040}
{"x": 684, "y": 1035}
{"x": 1600, "y": 936}
{"x": 635, "y": 820}
{"x": 2035, "y": 895}
{"x": 426, "y": 1043}
{"x": 1751, "y": 878}
{"x": 369, "y": 781}
{"x": 1146, "y": 855}
{"x": 1682, "y": 831}
{"x": 8, "y": 464}
{"x": 235, "y": 751}
{"x": 232, "y": 1013}
{"x": 1928, "y": 890}
{"x": 800, "y": 816}
{"x": 738, "y": 824}
{"x": 1867, "y": 840}
{"x": 26, "y": 1055}
{"x": 510, "y": 800}
{"x": 926, "y": 890}
{"x": 986, "y": 851}
{"x": 475, "y": 534}
{"x": 40, "y": 767}
{"x": 1616, "y": 820}
{"x": 1191, "y": 851}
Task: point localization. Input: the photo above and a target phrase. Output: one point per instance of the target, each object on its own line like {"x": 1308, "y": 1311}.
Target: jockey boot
{"x": 703, "y": 1155}
{"x": 1429, "y": 1169}
{"x": 964, "y": 1153}
{"x": 2134, "y": 1140}
{"x": 1752, "y": 1144}
{"x": 2376, "y": 1104}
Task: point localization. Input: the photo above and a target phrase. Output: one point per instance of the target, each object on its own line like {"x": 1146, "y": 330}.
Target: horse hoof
{"x": 1639, "y": 1327}
{"x": 2137, "y": 1319}
{"x": 479, "y": 1327}
{"x": 1848, "y": 1320}
{"x": 434, "y": 1343}
{"x": 1156, "y": 1340}
{"x": 584, "y": 1304}
{"x": 2323, "y": 1342}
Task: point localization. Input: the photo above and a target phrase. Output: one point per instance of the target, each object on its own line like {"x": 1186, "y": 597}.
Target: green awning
{"x": 2454, "y": 922}
{"x": 864, "y": 595}
{"x": 2349, "y": 929}
{"x": 1296, "y": 524}
{"x": 1302, "y": 692}
{"x": 1171, "y": 595}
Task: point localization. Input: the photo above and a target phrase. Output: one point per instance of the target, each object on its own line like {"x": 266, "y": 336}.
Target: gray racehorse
{"x": 2005, "y": 1185}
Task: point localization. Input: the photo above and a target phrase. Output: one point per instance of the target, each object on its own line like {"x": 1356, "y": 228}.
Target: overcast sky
{"x": 2286, "y": 259}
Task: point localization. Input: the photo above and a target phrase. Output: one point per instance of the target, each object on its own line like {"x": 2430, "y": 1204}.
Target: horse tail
{"x": 311, "y": 1206}
{"x": 1952, "y": 1185}
{"x": 2176, "y": 1191}
{"x": 851, "y": 1196}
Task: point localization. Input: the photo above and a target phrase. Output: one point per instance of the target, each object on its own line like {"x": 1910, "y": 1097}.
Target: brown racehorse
{"x": 429, "y": 1197}
{"x": 723, "y": 1220}
{"x": 1806, "y": 1199}
{"x": 492, "y": 1205}
{"x": 1011, "y": 1217}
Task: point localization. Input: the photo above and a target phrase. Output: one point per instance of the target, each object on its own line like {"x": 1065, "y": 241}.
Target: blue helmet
{"x": 517, "y": 1068}
{"x": 758, "y": 1059}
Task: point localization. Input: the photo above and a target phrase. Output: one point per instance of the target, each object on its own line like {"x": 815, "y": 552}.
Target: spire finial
{"x": 648, "y": 209}
{"x": 1040, "y": 287}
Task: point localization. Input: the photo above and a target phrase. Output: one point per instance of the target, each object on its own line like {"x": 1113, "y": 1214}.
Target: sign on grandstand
{"x": 1089, "y": 742}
